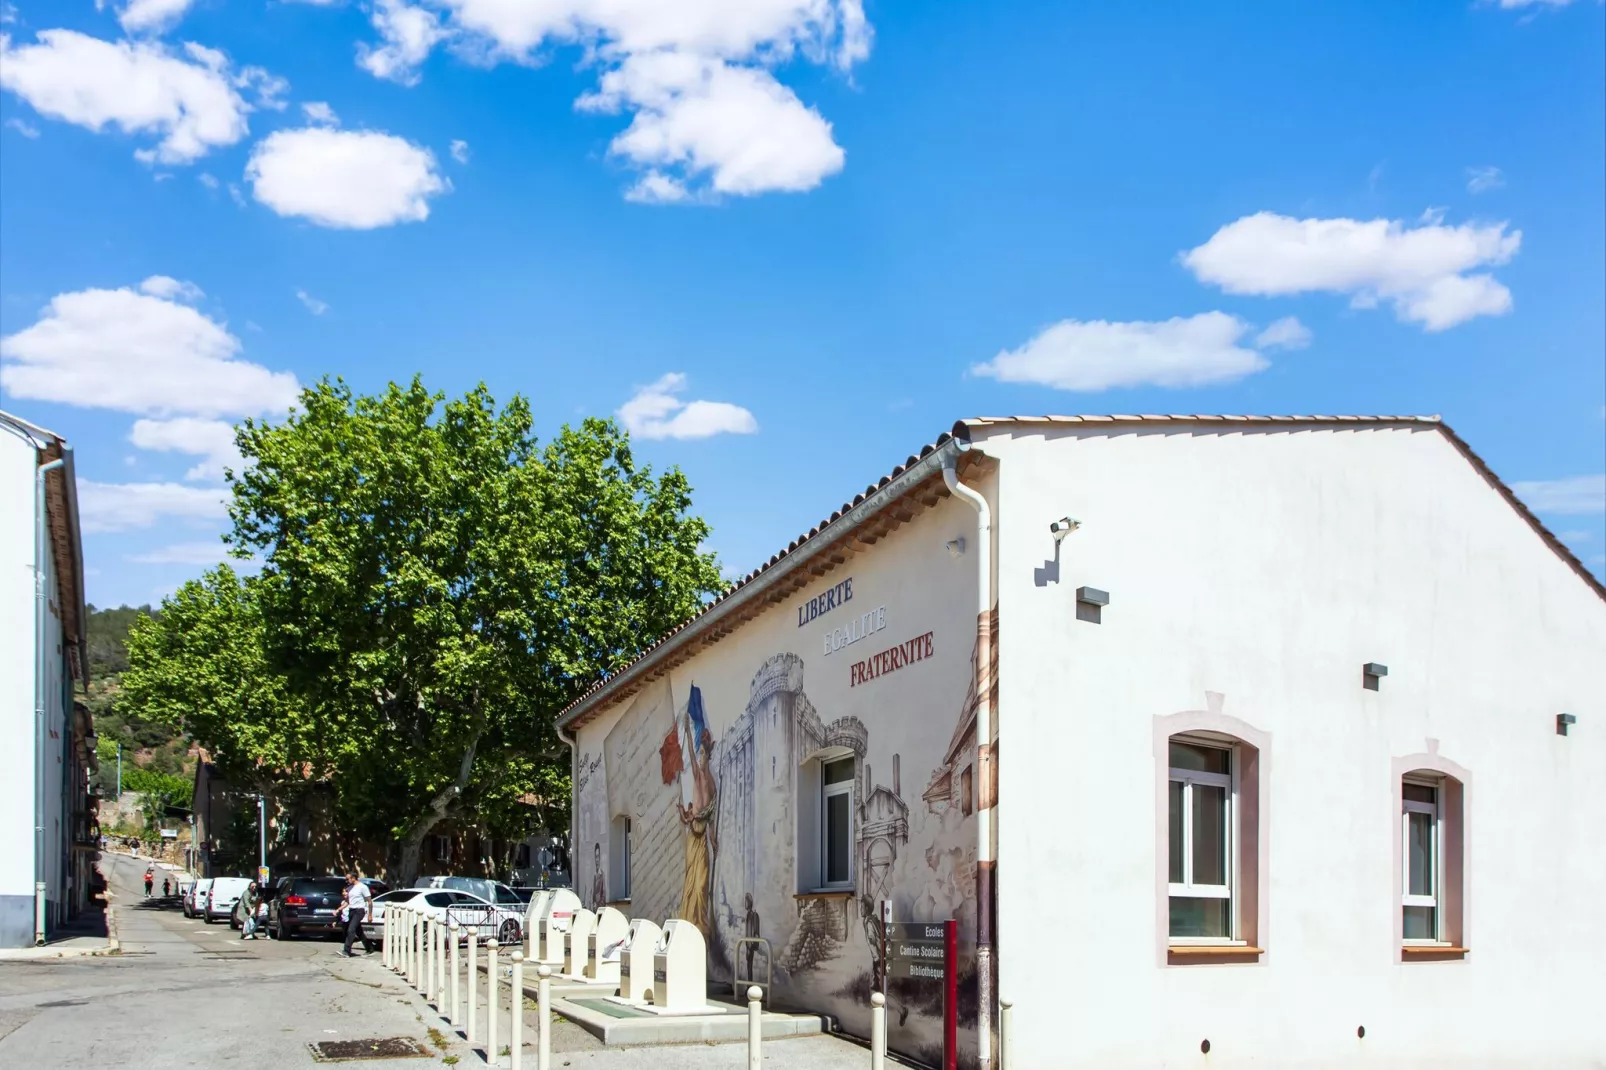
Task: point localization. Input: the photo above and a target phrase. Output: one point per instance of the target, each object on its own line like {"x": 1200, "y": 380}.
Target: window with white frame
{"x": 443, "y": 849}
{"x": 1421, "y": 836}
{"x": 1202, "y": 841}
{"x": 836, "y": 823}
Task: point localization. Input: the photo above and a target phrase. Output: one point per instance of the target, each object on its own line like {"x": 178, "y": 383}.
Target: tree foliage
{"x": 436, "y": 585}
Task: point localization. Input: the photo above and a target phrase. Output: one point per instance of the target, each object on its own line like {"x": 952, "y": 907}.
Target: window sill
{"x": 1190, "y": 954}
{"x": 836, "y": 893}
{"x": 1431, "y": 952}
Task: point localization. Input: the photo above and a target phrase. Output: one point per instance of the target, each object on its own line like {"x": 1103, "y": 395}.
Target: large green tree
{"x": 436, "y": 586}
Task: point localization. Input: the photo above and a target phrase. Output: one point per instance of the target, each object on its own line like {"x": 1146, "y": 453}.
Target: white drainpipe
{"x": 984, "y": 763}
{"x": 41, "y": 670}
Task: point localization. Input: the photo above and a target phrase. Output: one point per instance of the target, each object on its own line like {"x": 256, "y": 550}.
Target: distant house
{"x": 47, "y": 816}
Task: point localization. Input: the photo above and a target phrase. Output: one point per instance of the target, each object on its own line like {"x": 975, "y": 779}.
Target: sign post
{"x": 929, "y": 951}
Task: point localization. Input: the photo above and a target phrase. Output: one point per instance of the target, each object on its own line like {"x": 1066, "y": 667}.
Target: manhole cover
{"x": 339, "y": 1051}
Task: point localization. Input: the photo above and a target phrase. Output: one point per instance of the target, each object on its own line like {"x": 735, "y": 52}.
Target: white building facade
{"x": 46, "y": 814}
{"x": 1222, "y": 740}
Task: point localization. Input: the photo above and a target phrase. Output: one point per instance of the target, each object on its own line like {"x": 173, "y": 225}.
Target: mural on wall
{"x": 713, "y": 800}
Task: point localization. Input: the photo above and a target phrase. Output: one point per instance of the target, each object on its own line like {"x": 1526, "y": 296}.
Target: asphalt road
{"x": 186, "y": 994}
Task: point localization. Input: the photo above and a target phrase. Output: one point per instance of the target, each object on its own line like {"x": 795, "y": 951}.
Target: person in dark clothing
{"x": 355, "y": 909}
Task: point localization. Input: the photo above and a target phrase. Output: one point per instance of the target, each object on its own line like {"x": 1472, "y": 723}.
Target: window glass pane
{"x": 1200, "y": 759}
{"x": 1200, "y": 917}
{"x": 1176, "y": 832}
{"x": 839, "y": 771}
{"x": 836, "y": 839}
{"x": 1209, "y": 834}
{"x": 1419, "y": 924}
{"x": 1419, "y": 854}
{"x": 1420, "y": 793}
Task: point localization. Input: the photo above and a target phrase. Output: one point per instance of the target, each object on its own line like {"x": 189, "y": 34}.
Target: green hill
{"x": 147, "y": 745}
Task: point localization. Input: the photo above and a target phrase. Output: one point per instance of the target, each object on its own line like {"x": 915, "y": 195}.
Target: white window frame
{"x": 828, "y": 792}
{"x": 1435, "y": 810}
{"x": 1187, "y": 889}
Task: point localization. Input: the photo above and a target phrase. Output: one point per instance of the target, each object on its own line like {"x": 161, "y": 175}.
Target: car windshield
{"x": 400, "y": 896}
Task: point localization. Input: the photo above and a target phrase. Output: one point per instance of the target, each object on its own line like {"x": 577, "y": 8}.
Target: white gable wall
{"x": 1267, "y": 566}
{"x": 17, "y": 669}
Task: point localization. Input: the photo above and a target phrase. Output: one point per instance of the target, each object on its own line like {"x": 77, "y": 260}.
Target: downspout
{"x": 985, "y": 871}
{"x": 574, "y": 772}
{"x": 41, "y": 667}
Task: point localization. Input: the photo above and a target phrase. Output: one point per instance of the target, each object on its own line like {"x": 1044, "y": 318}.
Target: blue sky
{"x": 789, "y": 241}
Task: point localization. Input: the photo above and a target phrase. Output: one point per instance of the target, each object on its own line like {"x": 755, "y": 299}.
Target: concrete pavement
{"x": 186, "y": 994}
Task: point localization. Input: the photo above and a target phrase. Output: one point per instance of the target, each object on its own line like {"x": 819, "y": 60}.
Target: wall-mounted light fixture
{"x": 1063, "y": 527}
{"x": 1563, "y": 722}
{"x": 1089, "y": 601}
{"x": 1371, "y": 673}
{"x": 956, "y": 547}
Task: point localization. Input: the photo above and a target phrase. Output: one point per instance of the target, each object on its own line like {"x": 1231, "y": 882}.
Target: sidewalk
{"x": 94, "y": 932}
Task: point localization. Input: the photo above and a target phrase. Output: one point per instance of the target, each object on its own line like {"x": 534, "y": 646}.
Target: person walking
{"x": 150, "y": 880}
{"x": 355, "y": 909}
{"x": 167, "y": 887}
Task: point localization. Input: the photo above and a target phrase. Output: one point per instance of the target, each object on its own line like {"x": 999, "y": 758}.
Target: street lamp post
{"x": 262, "y": 834}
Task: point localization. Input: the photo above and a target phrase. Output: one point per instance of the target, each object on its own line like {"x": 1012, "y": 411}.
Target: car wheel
{"x": 285, "y": 933}
{"x": 273, "y": 933}
{"x": 508, "y": 933}
{"x": 206, "y": 916}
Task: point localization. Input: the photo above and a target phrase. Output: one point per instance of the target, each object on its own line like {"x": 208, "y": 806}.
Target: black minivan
{"x": 305, "y": 904}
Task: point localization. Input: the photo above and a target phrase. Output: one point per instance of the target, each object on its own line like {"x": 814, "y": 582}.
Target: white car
{"x": 505, "y": 922}
{"x": 195, "y": 897}
{"x": 222, "y": 896}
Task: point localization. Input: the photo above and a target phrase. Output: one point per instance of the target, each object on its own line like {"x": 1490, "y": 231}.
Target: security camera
{"x": 1063, "y": 527}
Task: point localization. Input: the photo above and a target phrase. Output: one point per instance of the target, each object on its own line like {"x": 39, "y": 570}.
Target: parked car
{"x": 479, "y": 887}
{"x": 221, "y": 897}
{"x": 503, "y": 920}
{"x": 195, "y": 897}
{"x": 305, "y": 904}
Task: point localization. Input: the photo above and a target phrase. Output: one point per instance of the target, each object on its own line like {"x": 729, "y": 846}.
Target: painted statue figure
{"x": 599, "y": 892}
{"x": 702, "y": 840}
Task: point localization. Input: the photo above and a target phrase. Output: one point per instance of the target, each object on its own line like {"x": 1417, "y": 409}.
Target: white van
{"x": 195, "y": 898}
{"x": 220, "y": 900}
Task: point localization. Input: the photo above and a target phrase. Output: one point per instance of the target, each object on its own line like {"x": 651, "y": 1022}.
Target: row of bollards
{"x": 425, "y": 951}
{"x": 428, "y": 953}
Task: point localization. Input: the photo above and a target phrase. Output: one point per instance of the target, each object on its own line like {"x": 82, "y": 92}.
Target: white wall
{"x": 17, "y": 668}
{"x": 1267, "y": 568}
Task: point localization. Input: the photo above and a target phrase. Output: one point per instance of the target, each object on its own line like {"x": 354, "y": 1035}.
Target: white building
{"x": 1296, "y": 754}
{"x": 46, "y": 814}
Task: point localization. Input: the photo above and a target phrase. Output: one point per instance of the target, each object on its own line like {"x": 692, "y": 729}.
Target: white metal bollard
{"x": 418, "y": 956}
{"x": 1006, "y": 1034}
{"x": 878, "y": 1031}
{"x": 440, "y": 963}
{"x": 755, "y": 1028}
{"x": 384, "y": 941}
{"x": 473, "y": 969}
{"x": 407, "y": 945}
{"x": 396, "y": 935}
{"x": 543, "y": 1018}
{"x": 515, "y": 1032}
{"x": 452, "y": 932}
{"x": 492, "y": 1057}
{"x": 427, "y": 988}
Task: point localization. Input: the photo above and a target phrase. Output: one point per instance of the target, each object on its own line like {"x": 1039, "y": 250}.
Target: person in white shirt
{"x": 355, "y": 909}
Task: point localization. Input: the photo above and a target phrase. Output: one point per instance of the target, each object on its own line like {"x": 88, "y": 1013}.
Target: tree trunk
{"x": 440, "y": 807}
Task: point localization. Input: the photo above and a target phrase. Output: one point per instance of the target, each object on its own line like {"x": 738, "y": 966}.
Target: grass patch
{"x": 437, "y": 1038}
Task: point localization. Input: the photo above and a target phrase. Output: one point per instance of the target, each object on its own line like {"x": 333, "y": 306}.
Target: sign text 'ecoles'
{"x": 891, "y": 659}
{"x": 824, "y": 603}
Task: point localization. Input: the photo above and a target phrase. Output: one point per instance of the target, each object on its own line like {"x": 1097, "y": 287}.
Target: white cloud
{"x": 1513, "y": 4}
{"x": 318, "y": 111}
{"x": 140, "y": 353}
{"x": 736, "y": 125}
{"x": 1484, "y": 179}
{"x": 141, "y": 87}
{"x": 236, "y": 196}
{"x": 315, "y": 306}
{"x": 209, "y": 181}
{"x": 344, "y": 178}
{"x": 107, "y": 507}
{"x": 212, "y": 440}
{"x": 1575, "y": 536}
{"x": 1575, "y": 495}
{"x": 695, "y": 76}
{"x": 1286, "y": 333}
{"x": 183, "y": 553}
{"x": 460, "y": 151}
{"x": 655, "y": 412}
{"x": 1096, "y": 355}
{"x": 170, "y": 289}
{"x": 408, "y": 33}
{"x": 1422, "y": 271}
{"x": 152, "y": 16}
{"x": 27, "y": 130}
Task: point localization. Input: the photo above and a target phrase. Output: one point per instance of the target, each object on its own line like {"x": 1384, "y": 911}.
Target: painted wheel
{"x": 508, "y": 933}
